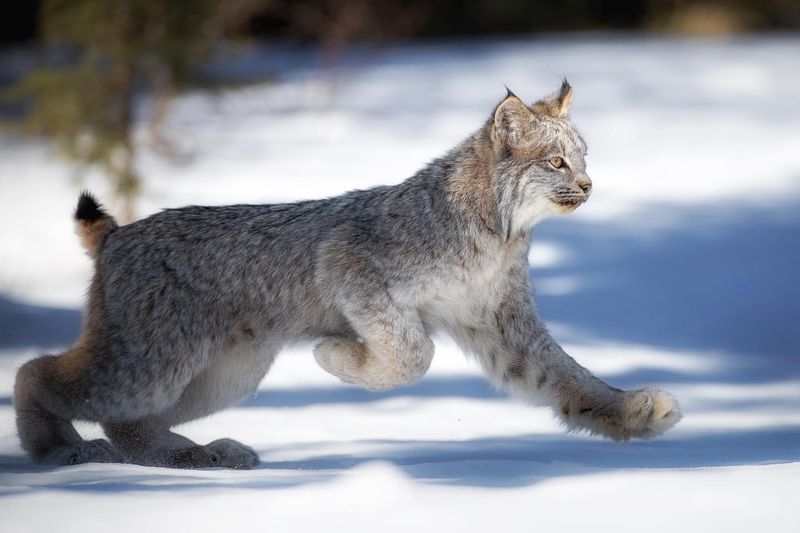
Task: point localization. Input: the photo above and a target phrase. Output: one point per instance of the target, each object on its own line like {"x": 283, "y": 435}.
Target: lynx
{"x": 189, "y": 307}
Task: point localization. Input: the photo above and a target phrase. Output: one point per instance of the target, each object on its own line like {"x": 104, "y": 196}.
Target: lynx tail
{"x": 92, "y": 223}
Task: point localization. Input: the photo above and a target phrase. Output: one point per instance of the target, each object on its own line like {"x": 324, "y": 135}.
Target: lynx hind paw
{"x": 233, "y": 454}
{"x": 649, "y": 412}
{"x": 92, "y": 451}
{"x": 194, "y": 457}
{"x": 222, "y": 453}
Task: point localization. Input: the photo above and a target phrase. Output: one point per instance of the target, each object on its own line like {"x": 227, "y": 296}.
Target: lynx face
{"x": 541, "y": 166}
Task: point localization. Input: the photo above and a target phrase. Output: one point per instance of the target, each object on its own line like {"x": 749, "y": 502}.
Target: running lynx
{"x": 189, "y": 307}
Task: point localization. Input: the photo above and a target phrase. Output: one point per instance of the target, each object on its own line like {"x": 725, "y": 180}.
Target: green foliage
{"x": 87, "y": 113}
{"x": 99, "y": 55}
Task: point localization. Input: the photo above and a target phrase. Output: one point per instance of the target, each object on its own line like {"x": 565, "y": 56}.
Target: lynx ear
{"x": 557, "y": 104}
{"x": 512, "y": 120}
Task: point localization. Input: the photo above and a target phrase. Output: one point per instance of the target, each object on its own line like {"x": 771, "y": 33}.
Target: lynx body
{"x": 188, "y": 308}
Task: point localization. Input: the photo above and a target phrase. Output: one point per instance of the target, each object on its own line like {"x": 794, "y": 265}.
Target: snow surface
{"x": 680, "y": 273}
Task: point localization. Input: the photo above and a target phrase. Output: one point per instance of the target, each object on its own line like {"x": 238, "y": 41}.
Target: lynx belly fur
{"x": 188, "y": 308}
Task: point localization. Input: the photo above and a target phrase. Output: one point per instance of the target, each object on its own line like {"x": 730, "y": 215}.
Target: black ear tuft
{"x": 565, "y": 88}
{"x": 509, "y": 92}
{"x": 557, "y": 104}
{"x": 89, "y": 209}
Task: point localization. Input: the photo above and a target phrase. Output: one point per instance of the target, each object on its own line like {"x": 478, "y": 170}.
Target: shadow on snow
{"x": 713, "y": 280}
{"x": 26, "y": 326}
{"x": 487, "y": 462}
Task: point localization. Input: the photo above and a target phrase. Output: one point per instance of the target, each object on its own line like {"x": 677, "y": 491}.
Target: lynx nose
{"x": 584, "y": 183}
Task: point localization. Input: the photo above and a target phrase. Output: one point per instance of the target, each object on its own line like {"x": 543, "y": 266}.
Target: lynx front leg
{"x": 518, "y": 353}
{"x": 392, "y": 347}
{"x": 388, "y": 345}
{"x": 393, "y": 350}
{"x": 373, "y": 365}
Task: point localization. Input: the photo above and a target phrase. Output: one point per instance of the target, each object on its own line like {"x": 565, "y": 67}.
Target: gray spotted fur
{"x": 189, "y": 307}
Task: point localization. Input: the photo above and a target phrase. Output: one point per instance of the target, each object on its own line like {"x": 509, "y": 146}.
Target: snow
{"x": 680, "y": 273}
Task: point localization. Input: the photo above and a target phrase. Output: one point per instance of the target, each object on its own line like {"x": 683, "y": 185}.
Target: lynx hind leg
{"x": 44, "y": 418}
{"x": 150, "y": 443}
{"x": 232, "y": 378}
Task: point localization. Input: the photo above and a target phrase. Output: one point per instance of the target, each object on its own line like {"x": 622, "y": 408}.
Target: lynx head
{"x": 540, "y": 165}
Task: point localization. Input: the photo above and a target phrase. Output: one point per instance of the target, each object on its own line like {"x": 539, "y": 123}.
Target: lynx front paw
{"x": 340, "y": 357}
{"x": 648, "y": 412}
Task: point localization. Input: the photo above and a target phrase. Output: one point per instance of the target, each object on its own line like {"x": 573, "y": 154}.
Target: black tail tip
{"x": 89, "y": 209}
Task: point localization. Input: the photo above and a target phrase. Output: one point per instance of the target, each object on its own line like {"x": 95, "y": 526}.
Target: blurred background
{"x": 679, "y": 272}
{"x": 85, "y": 74}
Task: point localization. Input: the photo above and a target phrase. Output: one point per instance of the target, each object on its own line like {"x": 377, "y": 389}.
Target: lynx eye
{"x": 556, "y": 162}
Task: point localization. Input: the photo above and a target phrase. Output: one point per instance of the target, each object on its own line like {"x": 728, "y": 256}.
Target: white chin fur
{"x": 528, "y": 215}
{"x": 563, "y": 209}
